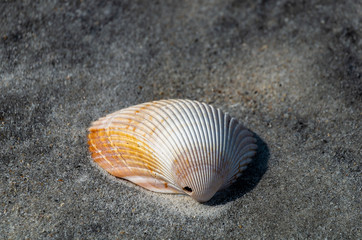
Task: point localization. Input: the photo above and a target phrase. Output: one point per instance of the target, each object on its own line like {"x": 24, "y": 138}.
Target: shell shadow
{"x": 248, "y": 181}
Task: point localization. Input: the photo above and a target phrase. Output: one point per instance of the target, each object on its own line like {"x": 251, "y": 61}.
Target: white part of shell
{"x": 173, "y": 146}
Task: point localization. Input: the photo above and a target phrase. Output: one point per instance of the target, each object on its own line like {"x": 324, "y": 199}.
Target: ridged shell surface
{"x": 173, "y": 146}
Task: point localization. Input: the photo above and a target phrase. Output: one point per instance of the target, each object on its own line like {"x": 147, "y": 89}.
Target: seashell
{"x": 173, "y": 146}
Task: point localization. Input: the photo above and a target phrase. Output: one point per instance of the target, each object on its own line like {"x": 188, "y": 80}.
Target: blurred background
{"x": 288, "y": 70}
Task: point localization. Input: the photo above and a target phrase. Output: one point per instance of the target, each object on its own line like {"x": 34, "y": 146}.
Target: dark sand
{"x": 288, "y": 70}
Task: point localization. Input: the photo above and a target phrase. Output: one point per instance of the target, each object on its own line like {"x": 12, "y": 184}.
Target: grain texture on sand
{"x": 290, "y": 71}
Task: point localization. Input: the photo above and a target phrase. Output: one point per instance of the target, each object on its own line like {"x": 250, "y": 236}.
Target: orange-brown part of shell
{"x": 123, "y": 155}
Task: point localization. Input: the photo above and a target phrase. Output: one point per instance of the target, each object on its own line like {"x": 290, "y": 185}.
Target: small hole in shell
{"x": 187, "y": 189}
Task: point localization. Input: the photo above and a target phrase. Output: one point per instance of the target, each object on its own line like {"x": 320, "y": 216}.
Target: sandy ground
{"x": 288, "y": 70}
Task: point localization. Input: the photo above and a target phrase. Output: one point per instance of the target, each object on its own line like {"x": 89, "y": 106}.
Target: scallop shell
{"x": 173, "y": 146}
